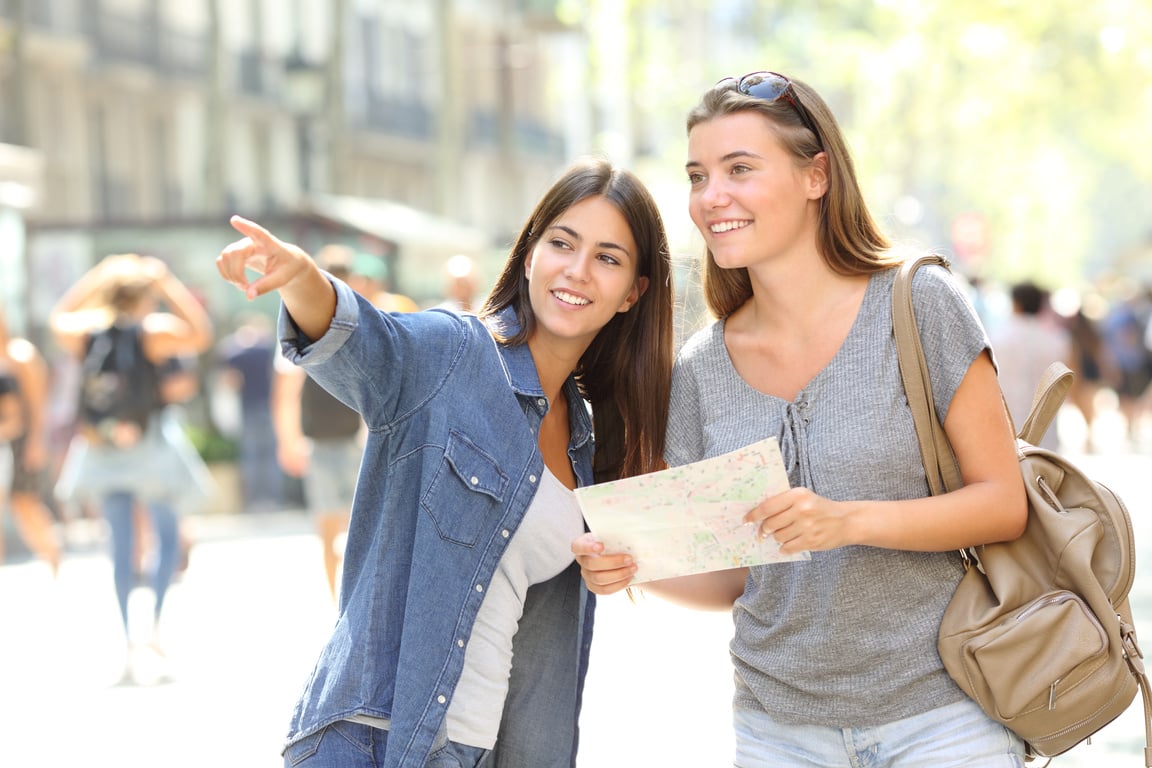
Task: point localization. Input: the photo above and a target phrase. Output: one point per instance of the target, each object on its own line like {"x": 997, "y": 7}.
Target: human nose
{"x": 713, "y": 194}
{"x": 578, "y": 266}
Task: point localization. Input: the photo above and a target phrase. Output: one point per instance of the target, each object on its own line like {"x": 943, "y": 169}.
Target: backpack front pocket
{"x": 1038, "y": 651}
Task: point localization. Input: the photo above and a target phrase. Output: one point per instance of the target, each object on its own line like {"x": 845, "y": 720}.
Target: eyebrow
{"x": 602, "y": 244}
{"x": 726, "y": 158}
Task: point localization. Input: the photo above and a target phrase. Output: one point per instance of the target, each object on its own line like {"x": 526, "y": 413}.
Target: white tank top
{"x": 540, "y": 549}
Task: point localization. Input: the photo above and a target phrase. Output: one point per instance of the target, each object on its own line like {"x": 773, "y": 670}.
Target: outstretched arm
{"x": 307, "y": 295}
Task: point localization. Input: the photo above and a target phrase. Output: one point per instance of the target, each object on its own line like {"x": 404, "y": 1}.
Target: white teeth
{"x": 728, "y": 226}
{"x": 568, "y": 298}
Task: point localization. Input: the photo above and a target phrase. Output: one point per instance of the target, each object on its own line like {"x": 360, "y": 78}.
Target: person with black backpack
{"x": 111, "y": 322}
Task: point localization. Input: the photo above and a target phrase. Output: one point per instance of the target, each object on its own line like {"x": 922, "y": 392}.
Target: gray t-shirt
{"x": 849, "y": 637}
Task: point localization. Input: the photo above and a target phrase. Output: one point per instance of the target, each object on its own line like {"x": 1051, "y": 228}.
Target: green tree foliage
{"x": 1029, "y": 115}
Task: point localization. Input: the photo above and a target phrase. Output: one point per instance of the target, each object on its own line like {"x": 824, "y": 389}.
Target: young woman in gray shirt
{"x": 835, "y": 657}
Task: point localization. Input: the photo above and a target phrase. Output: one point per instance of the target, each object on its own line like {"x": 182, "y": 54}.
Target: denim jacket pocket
{"x": 466, "y": 493}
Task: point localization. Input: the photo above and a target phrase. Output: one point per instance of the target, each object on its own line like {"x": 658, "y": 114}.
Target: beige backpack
{"x": 1039, "y": 632}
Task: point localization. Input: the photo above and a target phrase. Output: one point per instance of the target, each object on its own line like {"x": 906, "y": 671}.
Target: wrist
{"x": 860, "y": 526}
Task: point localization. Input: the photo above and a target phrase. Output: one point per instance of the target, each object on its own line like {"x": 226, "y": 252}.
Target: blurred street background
{"x": 1005, "y": 135}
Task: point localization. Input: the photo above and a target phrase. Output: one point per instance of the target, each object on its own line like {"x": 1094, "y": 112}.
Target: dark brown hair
{"x": 626, "y": 372}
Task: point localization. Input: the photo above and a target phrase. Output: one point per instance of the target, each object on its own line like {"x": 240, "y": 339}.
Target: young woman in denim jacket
{"x": 835, "y": 658}
{"x": 464, "y": 627}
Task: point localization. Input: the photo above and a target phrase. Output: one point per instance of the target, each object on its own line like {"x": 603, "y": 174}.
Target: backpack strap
{"x": 1135, "y": 658}
{"x": 939, "y": 462}
{"x": 1050, "y": 394}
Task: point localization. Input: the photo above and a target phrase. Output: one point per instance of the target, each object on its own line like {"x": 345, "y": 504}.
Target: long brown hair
{"x": 847, "y": 237}
{"x": 626, "y": 372}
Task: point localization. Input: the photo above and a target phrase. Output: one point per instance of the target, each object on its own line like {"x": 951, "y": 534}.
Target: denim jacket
{"x": 450, "y": 467}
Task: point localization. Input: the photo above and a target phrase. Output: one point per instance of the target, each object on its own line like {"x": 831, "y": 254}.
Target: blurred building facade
{"x": 408, "y": 129}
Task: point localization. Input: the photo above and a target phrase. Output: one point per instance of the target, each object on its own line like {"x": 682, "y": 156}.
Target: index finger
{"x": 252, "y": 230}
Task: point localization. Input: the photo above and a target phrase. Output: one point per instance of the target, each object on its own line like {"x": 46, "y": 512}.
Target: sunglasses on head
{"x": 770, "y": 87}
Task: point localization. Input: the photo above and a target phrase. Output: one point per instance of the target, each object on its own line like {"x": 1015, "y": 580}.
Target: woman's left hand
{"x": 801, "y": 520}
{"x": 604, "y": 572}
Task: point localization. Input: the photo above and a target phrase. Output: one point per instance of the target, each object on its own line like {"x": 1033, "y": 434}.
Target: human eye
{"x": 609, "y": 258}
{"x": 560, "y": 244}
{"x": 739, "y": 168}
{"x": 695, "y": 177}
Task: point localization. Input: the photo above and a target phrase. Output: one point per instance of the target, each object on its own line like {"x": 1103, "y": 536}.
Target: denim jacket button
{"x": 474, "y": 480}
{"x": 479, "y": 587}
{"x": 531, "y": 478}
{"x": 459, "y": 643}
{"x": 542, "y": 402}
{"x": 505, "y": 533}
{"x": 442, "y": 699}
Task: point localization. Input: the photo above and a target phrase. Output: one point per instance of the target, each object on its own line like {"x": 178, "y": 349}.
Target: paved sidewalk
{"x": 243, "y": 628}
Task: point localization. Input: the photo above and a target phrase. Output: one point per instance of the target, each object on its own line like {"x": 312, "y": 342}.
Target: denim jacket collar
{"x": 520, "y": 368}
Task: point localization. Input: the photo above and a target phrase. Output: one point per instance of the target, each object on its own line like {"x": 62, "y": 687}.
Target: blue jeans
{"x": 117, "y": 509}
{"x": 345, "y": 744}
{"x": 958, "y": 735}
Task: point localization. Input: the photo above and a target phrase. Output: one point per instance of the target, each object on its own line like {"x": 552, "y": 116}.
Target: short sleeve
{"x": 950, "y": 331}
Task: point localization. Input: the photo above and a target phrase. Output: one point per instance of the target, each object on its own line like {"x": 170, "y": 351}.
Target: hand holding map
{"x": 690, "y": 519}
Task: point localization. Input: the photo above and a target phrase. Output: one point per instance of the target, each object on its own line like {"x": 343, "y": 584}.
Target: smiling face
{"x": 749, "y": 198}
{"x": 581, "y": 272}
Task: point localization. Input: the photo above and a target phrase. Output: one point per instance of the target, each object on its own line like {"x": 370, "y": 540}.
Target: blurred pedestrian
{"x": 459, "y": 284}
{"x": 245, "y": 360}
{"x": 835, "y": 659}
{"x": 129, "y": 313}
{"x": 1123, "y": 331}
{"x": 1091, "y": 362}
{"x": 36, "y": 525}
{"x": 464, "y": 631}
{"x": 369, "y": 277}
{"x": 178, "y": 384}
{"x": 1026, "y": 343}
{"x": 11, "y": 426}
{"x": 319, "y": 438}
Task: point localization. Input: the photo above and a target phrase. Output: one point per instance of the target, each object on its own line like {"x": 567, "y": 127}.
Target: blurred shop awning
{"x": 421, "y": 237}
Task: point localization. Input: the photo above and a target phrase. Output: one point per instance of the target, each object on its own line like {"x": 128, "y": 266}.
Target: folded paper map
{"x": 690, "y": 519}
